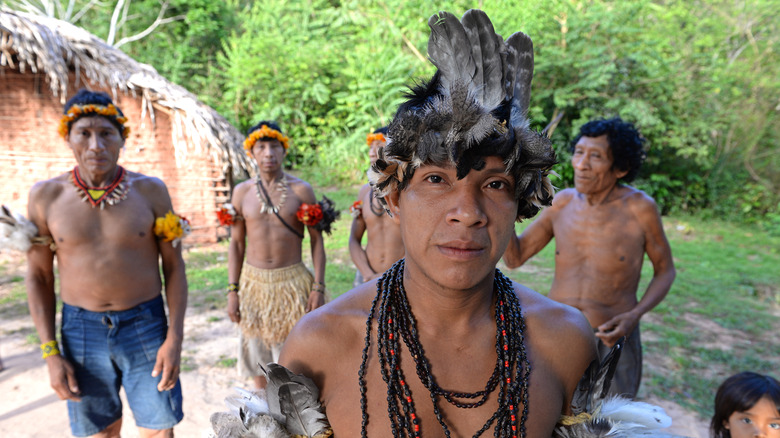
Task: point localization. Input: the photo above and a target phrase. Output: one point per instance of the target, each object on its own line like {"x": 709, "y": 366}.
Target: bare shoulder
{"x": 364, "y": 191}
{"x": 311, "y": 347}
{"x": 240, "y": 190}
{"x": 559, "y": 334}
{"x": 301, "y": 188}
{"x": 48, "y": 190}
{"x": 561, "y": 322}
{"x": 42, "y": 195}
{"x": 147, "y": 185}
{"x": 152, "y": 189}
{"x": 641, "y": 204}
{"x": 562, "y": 199}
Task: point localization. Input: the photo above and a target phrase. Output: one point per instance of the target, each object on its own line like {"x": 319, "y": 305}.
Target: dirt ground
{"x": 30, "y": 409}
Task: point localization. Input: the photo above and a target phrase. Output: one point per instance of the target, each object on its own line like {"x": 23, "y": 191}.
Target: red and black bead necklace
{"x": 395, "y": 320}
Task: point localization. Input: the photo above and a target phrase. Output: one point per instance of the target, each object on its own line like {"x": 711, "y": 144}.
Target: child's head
{"x": 747, "y": 405}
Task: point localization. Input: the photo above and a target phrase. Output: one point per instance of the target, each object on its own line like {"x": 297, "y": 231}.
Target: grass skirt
{"x": 272, "y": 301}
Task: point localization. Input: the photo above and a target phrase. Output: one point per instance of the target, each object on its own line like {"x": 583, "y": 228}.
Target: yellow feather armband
{"x": 172, "y": 228}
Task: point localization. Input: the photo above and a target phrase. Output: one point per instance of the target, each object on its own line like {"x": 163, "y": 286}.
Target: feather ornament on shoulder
{"x": 598, "y": 415}
{"x": 288, "y": 407}
{"x": 17, "y": 233}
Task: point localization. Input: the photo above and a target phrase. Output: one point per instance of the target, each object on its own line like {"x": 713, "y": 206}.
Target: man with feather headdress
{"x": 444, "y": 344}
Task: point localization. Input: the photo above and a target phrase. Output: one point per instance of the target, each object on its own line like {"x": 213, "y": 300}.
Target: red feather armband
{"x": 227, "y": 215}
{"x": 356, "y": 209}
{"x": 320, "y": 215}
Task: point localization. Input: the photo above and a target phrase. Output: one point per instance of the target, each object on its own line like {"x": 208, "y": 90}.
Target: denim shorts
{"x": 110, "y": 350}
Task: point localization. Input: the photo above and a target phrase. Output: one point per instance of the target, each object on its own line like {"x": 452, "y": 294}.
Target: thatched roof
{"x": 56, "y": 48}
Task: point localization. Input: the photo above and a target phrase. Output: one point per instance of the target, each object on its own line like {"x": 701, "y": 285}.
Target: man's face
{"x": 455, "y": 231}
{"x": 373, "y": 150}
{"x": 96, "y": 143}
{"x": 592, "y": 161}
{"x": 269, "y": 155}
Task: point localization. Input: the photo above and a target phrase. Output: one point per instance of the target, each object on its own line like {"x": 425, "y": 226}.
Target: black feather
{"x": 596, "y": 381}
{"x": 521, "y": 50}
{"x": 448, "y": 49}
{"x": 485, "y": 48}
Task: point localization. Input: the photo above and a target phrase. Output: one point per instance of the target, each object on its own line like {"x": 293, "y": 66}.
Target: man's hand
{"x": 233, "y": 307}
{"x": 316, "y": 299}
{"x": 367, "y": 278}
{"x": 168, "y": 360}
{"x": 614, "y": 329}
{"x": 63, "y": 378}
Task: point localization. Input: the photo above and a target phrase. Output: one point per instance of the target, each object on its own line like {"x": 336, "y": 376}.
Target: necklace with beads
{"x": 396, "y": 324}
{"x": 265, "y": 198}
{"x": 378, "y": 210}
{"x": 111, "y": 194}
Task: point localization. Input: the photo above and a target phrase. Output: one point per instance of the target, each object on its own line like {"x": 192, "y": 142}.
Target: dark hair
{"x": 382, "y": 130}
{"x": 624, "y": 140}
{"x": 87, "y": 97}
{"x": 267, "y": 123}
{"x": 739, "y": 393}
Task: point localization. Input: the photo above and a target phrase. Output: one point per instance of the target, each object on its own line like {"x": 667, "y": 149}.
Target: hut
{"x": 174, "y": 136}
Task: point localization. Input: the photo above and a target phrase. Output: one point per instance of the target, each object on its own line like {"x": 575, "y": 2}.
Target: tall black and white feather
{"x": 475, "y": 106}
{"x": 597, "y": 414}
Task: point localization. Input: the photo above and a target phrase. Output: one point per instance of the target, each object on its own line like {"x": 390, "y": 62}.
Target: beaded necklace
{"x": 100, "y": 196}
{"x": 395, "y": 320}
{"x": 377, "y": 210}
{"x": 266, "y": 207}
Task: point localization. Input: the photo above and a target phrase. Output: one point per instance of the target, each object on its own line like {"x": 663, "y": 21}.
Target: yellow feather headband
{"x": 265, "y": 132}
{"x": 77, "y": 111}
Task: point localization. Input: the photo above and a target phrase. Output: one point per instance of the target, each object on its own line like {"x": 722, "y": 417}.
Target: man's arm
{"x": 532, "y": 240}
{"x": 42, "y": 299}
{"x": 236, "y": 251}
{"x": 660, "y": 254}
{"x": 356, "y": 251}
{"x": 317, "y": 294}
{"x": 175, "y": 281}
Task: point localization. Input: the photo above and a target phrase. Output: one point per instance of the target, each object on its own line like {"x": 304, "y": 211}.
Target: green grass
{"x": 226, "y": 362}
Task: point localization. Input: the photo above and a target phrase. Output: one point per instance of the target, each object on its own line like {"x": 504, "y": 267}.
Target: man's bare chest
{"x": 72, "y": 221}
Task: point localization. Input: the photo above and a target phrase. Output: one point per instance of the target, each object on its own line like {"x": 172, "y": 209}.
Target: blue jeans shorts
{"x": 113, "y": 349}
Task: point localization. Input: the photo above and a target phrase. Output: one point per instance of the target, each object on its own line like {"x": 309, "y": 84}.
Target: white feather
{"x": 16, "y": 232}
{"x": 618, "y": 409}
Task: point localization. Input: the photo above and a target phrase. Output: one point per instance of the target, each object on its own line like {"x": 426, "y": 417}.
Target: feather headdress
{"x": 475, "y": 106}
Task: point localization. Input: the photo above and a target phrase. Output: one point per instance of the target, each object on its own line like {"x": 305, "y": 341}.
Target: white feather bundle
{"x": 16, "y": 232}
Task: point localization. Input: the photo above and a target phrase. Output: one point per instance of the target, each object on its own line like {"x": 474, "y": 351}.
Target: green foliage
{"x": 701, "y": 79}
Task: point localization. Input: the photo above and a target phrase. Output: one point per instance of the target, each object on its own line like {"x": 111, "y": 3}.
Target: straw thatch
{"x": 56, "y": 49}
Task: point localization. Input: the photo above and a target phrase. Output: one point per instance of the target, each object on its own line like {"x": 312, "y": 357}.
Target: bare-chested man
{"x": 602, "y": 230}
{"x": 270, "y": 288}
{"x": 444, "y": 344}
{"x": 102, "y": 220}
{"x": 384, "y": 246}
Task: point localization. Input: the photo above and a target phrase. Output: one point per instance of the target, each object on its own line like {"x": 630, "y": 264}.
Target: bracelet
{"x": 49, "y": 349}
{"x": 232, "y": 287}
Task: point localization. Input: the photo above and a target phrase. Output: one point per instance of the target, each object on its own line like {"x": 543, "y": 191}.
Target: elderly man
{"x": 443, "y": 344}
{"x": 602, "y": 230}
{"x": 109, "y": 227}
{"x": 384, "y": 246}
{"x": 270, "y": 287}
